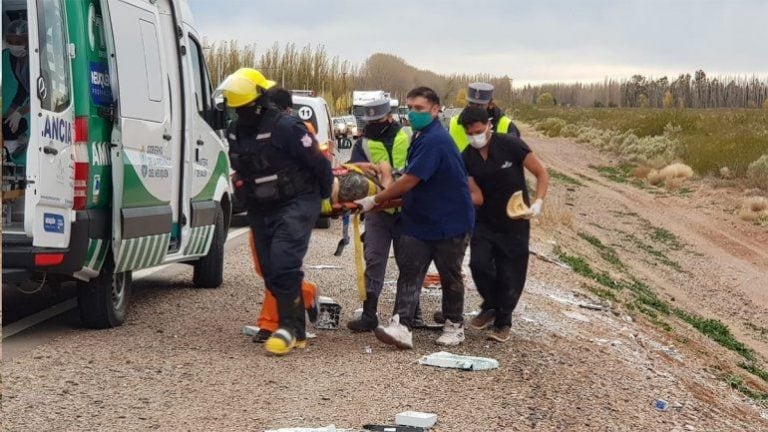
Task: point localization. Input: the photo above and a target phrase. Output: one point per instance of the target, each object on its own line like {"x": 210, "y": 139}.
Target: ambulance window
{"x": 200, "y": 76}
{"x": 54, "y": 56}
{"x": 154, "y": 72}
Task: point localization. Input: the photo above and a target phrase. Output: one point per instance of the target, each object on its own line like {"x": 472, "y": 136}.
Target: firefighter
{"x": 282, "y": 177}
{"x": 481, "y": 95}
{"x": 496, "y": 165}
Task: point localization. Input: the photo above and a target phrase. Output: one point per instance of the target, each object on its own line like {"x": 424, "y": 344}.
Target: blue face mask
{"x": 419, "y": 120}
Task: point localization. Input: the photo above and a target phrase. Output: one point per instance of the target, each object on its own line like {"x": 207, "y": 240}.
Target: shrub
{"x": 545, "y": 100}
{"x": 754, "y": 209}
{"x": 757, "y": 172}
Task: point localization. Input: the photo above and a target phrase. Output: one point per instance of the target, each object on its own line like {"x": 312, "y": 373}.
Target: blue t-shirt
{"x": 440, "y": 206}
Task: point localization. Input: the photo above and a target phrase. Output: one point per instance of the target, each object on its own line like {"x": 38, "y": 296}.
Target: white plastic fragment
{"x": 325, "y": 267}
{"x": 447, "y": 360}
{"x": 416, "y": 418}
{"x": 250, "y": 330}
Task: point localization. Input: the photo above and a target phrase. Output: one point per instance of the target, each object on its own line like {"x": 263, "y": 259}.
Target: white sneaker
{"x": 453, "y": 334}
{"x": 395, "y": 334}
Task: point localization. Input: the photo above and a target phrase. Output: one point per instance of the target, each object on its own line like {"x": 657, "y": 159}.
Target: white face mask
{"x": 17, "y": 50}
{"x": 480, "y": 140}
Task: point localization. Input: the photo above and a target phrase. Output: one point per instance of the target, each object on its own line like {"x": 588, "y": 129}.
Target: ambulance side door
{"x": 50, "y": 164}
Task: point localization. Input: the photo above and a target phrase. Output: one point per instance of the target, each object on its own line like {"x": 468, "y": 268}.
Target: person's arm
{"x": 302, "y": 145}
{"x": 397, "y": 189}
{"x": 475, "y": 192}
{"x": 534, "y": 165}
{"x": 385, "y": 174}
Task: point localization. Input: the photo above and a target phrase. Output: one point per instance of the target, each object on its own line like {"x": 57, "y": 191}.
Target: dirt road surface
{"x": 181, "y": 364}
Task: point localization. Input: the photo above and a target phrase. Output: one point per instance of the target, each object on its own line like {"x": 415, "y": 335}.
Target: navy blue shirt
{"x": 440, "y": 206}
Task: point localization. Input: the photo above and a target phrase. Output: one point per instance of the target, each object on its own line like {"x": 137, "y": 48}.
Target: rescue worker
{"x": 16, "y": 90}
{"x": 481, "y": 95}
{"x": 435, "y": 223}
{"x": 496, "y": 165}
{"x": 383, "y": 142}
{"x": 282, "y": 177}
{"x": 268, "y": 319}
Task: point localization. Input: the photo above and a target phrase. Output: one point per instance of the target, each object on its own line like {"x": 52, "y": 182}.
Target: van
{"x": 125, "y": 167}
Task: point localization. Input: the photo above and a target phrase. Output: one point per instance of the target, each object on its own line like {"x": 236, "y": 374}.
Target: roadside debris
{"x": 325, "y": 267}
{"x": 250, "y": 330}
{"x": 330, "y": 314}
{"x": 545, "y": 258}
{"x": 468, "y": 363}
{"x": 660, "y": 404}
{"x": 330, "y": 428}
{"x": 400, "y": 428}
{"x": 594, "y": 307}
{"x": 416, "y": 418}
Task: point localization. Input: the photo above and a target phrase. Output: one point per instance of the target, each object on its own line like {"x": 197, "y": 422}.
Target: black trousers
{"x": 282, "y": 239}
{"x": 413, "y": 257}
{"x": 499, "y": 264}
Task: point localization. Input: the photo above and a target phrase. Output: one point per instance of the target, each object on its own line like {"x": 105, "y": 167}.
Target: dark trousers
{"x": 379, "y": 236}
{"x": 413, "y": 257}
{"x": 499, "y": 264}
{"x": 282, "y": 239}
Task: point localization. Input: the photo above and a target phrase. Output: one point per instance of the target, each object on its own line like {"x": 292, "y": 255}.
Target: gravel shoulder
{"x": 181, "y": 364}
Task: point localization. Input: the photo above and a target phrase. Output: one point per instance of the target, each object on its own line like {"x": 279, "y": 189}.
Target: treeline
{"x": 686, "y": 91}
{"x": 312, "y": 68}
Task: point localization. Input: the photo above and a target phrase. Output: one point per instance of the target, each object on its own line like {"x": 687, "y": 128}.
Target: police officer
{"x": 282, "y": 177}
{"x": 481, "y": 95}
{"x": 383, "y": 142}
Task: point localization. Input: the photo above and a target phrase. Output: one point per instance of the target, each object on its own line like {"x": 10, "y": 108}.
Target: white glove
{"x": 13, "y": 121}
{"x": 536, "y": 208}
{"x": 367, "y": 203}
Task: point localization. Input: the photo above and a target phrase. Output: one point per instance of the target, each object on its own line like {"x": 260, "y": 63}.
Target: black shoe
{"x": 261, "y": 336}
{"x": 363, "y": 324}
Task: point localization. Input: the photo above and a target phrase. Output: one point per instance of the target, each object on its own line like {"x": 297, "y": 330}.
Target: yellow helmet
{"x": 244, "y": 86}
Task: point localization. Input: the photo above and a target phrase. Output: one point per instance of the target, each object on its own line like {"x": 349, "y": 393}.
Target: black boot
{"x": 368, "y": 321}
{"x": 284, "y": 339}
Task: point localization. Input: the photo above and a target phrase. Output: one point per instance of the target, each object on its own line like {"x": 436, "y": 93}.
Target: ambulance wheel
{"x": 103, "y": 301}
{"x": 209, "y": 270}
{"x": 323, "y": 222}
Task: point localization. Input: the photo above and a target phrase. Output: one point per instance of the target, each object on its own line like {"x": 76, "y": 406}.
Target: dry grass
{"x": 726, "y": 173}
{"x": 641, "y": 172}
{"x": 754, "y": 209}
{"x": 555, "y": 213}
{"x": 673, "y": 176}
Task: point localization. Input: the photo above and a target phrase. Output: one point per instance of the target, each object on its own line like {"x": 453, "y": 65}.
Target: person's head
{"x": 423, "y": 107}
{"x": 378, "y": 117}
{"x": 477, "y": 126}
{"x": 282, "y": 98}
{"x": 479, "y": 95}
{"x": 245, "y": 91}
{"x": 16, "y": 38}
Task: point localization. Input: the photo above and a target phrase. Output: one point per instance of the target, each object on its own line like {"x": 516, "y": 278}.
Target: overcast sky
{"x": 531, "y": 40}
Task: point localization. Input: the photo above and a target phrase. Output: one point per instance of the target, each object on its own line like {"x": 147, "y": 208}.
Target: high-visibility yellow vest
{"x": 377, "y": 152}
{"x": 460, "y": 137}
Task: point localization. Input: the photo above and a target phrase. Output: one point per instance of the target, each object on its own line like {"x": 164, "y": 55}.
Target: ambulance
{"x": 125, "y": 166}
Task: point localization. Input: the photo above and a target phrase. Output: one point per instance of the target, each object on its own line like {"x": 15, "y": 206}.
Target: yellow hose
{"x": 359, "y": 265}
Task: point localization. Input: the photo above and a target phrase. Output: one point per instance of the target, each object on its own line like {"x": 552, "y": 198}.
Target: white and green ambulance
{"x": 125, "y": 167}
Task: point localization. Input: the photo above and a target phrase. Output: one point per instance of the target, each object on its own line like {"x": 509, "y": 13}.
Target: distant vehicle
{"x": 360, "y": 98}
{"x": 402, "y": 112}
{"x": 340, "y": 129}
{"x": 352, "y": 126}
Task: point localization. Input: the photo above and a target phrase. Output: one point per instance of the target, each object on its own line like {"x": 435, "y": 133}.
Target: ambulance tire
{"x": 209, "y": 270}
{"x": 103, "y": 301}
{"x": 323, "y": 222}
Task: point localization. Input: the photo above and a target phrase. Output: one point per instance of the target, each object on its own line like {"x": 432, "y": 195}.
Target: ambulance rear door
{"x": 50, "y": 166}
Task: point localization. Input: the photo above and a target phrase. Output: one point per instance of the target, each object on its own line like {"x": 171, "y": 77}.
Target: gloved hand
{"x": 325, "y": 207}
{"x": 13, "y": 121}
{"x": 367, "y": 203}
{"x": 536, "y": 208}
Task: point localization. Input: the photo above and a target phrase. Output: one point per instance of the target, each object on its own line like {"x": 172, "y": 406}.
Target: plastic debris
{"x": 250, "y": 330}
{"x": 325, "y": 267}
{"x": 368, "y": 350}
{"x": 416, "y": 418}
{"x": 660, "y": 404}
{"x": 592, "y": 306}
{"x": 468, "y": 363}
{"x": 399, "y": 428}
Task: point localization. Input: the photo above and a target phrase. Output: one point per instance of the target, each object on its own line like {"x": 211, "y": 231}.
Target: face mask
{"x": 17, "y": 50}
{"x": 480, "y": 140}
{"x": 419, "y": 120}
{"x": 376, "y": 130}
